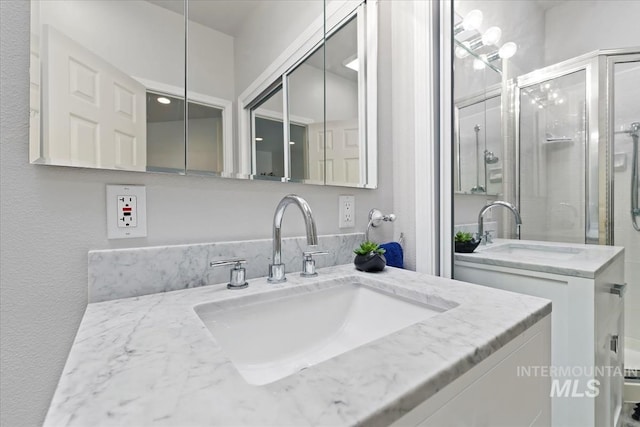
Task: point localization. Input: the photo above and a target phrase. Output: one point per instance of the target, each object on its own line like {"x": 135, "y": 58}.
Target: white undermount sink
{"x": 533, "y": 251}
{"x": 270, "y": 340}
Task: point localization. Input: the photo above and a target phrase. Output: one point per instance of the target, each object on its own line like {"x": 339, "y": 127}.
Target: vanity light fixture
{"x": 163, "y": 100}
{"x": 461, "y": 52}
{"x": 480, "y": 63}
{"x": 471, "y": 21}
{"x": 491, "y": 36}
{"x": 505, "y": 52}
{"x": 508, "y": 50}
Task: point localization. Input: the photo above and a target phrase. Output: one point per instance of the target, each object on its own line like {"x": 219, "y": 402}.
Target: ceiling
{"x": 226, "y": 16}
{"x": 548, "y": 4}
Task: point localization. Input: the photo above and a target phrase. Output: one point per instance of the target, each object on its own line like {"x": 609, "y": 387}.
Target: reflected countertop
{"x": 567, "y": 259}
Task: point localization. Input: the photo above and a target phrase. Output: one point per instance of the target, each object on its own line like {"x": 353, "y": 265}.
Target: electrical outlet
{"x": 347, "y": 211}
{"x": 126, "y": 211}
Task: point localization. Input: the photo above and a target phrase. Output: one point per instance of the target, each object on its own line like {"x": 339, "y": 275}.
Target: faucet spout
{"x": 276, "y": 269}
{"x": 507, "y": 205}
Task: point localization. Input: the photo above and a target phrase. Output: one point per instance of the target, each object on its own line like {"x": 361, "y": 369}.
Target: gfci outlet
{"x": 347, "y": 211}
{"x": 126, "y": 211}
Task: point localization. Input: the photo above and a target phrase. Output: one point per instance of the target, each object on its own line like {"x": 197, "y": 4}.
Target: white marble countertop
{"x": 586, "y": 261}
{"x": 149, "y": 360}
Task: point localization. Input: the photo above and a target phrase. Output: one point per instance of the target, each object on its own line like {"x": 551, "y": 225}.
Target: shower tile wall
{"x": 627, "y": 111}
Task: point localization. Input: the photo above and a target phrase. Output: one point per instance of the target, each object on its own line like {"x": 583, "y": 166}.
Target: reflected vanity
{"x": 292, "y": 102}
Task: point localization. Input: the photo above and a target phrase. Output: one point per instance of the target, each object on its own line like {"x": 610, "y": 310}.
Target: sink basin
{"x": 270, "y": 340}
{"x": 536, "y": 252}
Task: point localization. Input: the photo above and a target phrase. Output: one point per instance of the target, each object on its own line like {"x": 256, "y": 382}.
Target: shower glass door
{"x": 552, "y": 150}
{"x": 624, "y": 74}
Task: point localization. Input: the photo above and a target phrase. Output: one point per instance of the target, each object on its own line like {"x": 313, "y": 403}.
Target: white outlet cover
{"x": 135, "y": 228}
{"x": 346, "y": 211}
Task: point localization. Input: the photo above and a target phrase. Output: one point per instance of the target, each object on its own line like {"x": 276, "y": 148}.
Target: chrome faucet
{"x": 276, "y": 269}
{"x": 484, "y": 209}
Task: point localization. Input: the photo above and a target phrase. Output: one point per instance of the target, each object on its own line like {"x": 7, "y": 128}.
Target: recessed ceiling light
{"x": 291, "y": 143}
{"x": 258, "y": 139}
{"x": 163, "y": 100}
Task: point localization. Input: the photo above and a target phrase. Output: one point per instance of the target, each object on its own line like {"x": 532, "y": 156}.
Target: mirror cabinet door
{"x": 163, "y": 86}
{"x": 306, "y": 111}
{"x": 107, "y": 79}
{"x": 267, "y": 130}
{"x": 344, "y": 138}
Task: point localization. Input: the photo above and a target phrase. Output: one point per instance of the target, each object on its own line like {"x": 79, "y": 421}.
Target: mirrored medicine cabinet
{"x": 249, "y": 89}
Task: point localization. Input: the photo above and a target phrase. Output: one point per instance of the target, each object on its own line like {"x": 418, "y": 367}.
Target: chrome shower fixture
{"x": 490, "y": 158}
{"x": 479, "y": 188}
{"x": 634, "y": 131}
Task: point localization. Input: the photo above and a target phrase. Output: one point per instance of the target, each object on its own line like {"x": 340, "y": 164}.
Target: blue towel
{"x": 393, "y": 254}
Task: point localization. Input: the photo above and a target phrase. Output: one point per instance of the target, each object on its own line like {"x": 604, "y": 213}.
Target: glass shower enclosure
{"x": 576, "y": 126}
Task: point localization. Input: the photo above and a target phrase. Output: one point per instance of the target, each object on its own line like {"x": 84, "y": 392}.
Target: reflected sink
{"x": 270, "y": 340}
{"x": 536, "y": 252}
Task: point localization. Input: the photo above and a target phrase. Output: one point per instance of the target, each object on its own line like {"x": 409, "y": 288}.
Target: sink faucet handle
{"x": 236, "y": 275}
{"x": 309, "y": 264}
{"x": 488, "y": 237}
{"x": 227, "y": 261}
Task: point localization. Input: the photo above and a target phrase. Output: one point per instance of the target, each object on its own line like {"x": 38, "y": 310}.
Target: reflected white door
{"x": 94, "y": 115}
{"x": 343, "y": 152}
{"x": 337, "y": 155}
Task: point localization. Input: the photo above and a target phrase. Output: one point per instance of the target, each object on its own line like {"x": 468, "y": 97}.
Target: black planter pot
{"x": 370, "y": 263}
{"x": 467, "y": 247}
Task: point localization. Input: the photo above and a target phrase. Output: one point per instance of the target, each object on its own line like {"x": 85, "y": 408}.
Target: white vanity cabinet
{"x": 587, "y": 325}
{"x": 494, "y": 393}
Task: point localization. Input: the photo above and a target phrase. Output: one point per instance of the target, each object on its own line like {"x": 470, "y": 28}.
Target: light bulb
{"x": 461, "y": 52}
{"x": 508, "y": 50}
{"x": 478, "y": 64}
{"x": 163, "y": 100}
{"x": 491, "y": 36}
{"x": 472, "y": 20}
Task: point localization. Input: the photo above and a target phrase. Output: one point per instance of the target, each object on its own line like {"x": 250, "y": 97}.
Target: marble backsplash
{"x": 123, "y": 273}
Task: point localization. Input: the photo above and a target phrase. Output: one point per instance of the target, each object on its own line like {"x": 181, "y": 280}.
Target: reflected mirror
{"x": 91, "y": 85}
{"x": 541, "y": 77}
{"x": 108, "y": 99}
{"x": 324, "y": 94}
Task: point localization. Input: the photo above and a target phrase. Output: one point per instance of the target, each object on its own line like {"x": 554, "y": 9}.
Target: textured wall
{"x": 51, "y": 217}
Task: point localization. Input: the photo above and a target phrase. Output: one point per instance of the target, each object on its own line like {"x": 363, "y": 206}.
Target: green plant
{"x": 463, "y": 237}
{"x": 367, "y": 247}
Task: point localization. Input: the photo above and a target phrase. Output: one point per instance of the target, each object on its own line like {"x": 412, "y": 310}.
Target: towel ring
{"x": 376, "y": 218}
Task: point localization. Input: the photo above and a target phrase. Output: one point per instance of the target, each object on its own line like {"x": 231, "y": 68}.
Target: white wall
{"x": 43, "y": 279}
{"x": 577, "y": 27}
{"x": 272, "y": 27}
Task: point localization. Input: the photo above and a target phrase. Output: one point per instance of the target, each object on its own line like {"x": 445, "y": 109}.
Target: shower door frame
{"x": 629, "y": 55}
{"x": 598, "y": 69}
